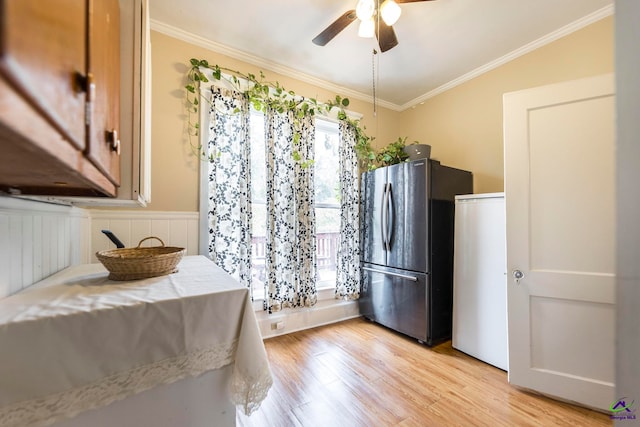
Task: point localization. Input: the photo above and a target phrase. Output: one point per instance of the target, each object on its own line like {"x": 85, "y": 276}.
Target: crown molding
{"x": 536, "y": 44}
{"x": 265, "y": 64}
{"x": 191, "y": 38}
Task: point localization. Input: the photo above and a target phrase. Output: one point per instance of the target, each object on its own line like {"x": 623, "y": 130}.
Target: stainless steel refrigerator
{"x": 407, "y": 220}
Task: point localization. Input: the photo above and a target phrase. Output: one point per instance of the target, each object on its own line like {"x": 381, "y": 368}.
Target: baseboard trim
{"x": 293, "y": 320}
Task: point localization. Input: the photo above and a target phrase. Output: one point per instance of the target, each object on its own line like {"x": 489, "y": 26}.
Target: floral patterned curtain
{"x": 348, "y": 262}
{"x": 290, "y": 255}
{"x": 229, "y": 213}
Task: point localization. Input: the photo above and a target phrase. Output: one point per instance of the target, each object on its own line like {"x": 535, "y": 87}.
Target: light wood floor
{"x": 358, "y": 373}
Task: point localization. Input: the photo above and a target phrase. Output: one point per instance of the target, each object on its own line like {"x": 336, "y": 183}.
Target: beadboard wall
{"x": 131, "y": 226}
{"x": 39, "y": 239}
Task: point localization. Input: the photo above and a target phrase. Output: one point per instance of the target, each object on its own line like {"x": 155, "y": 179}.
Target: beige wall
{"x": 464, "y": 124}
{"x": 174, "y": 179}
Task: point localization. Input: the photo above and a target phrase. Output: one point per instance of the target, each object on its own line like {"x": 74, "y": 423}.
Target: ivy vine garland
{"x": 265, "y": 95}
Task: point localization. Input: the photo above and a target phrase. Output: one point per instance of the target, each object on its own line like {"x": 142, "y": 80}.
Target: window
{"x": 327, "y": 202}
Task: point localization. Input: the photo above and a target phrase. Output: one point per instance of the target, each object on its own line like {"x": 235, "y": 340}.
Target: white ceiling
{"x": 441, "y": 42}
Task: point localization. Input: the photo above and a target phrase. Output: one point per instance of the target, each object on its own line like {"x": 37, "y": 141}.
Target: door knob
{"x": 517, "y": 274}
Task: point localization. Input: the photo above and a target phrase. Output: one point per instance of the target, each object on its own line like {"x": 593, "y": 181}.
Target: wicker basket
{"x": 140, "y": 263}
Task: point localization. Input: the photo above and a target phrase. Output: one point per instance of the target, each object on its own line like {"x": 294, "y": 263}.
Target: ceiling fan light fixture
{"x": 365, "y": 9}
{"x": 367, "y": 28}
{"x": 390, "y": 12}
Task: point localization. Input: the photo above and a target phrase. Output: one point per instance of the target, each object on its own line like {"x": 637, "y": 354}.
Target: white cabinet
{"x": 135, "y": 115}
{"x": 479, "y": 288}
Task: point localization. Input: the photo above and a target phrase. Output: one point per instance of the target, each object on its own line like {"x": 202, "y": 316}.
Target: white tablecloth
{"x": 77, "y": 340}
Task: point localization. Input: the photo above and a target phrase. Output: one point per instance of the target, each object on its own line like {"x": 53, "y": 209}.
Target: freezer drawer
{"x": 396, "y": 299}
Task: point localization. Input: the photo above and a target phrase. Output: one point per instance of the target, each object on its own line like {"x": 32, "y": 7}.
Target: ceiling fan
{"x": 369, "y": 12}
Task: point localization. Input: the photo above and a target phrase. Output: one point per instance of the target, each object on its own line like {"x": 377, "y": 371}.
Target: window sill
{"x": 326, "y": 311}
{"x": 324, "y": 294}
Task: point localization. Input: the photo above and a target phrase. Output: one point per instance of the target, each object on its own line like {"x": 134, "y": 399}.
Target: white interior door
{"x": 560, "y": 200}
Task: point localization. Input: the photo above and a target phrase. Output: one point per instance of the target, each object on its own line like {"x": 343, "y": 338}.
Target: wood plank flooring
{"x": 358, "y": 373}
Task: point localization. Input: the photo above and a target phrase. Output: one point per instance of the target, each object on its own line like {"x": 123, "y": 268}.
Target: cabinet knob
{"x": 85, "y": 83}
{"x": 114, "y": 141}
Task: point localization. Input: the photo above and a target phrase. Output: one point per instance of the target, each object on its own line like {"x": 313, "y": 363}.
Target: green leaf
{"x": 264, "y": 95}
{"x": 296, "y": 156}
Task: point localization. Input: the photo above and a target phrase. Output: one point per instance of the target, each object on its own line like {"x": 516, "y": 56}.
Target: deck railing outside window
{"x": 326, "y": 252}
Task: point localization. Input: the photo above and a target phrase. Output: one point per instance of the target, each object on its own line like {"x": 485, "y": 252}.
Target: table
{"x": 78, "y": 341}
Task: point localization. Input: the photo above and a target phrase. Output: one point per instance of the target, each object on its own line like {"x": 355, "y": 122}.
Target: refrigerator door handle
{"x": 389, "y": 273}
{"x": 384, "y": 218}
{"x": 390, "y": 214}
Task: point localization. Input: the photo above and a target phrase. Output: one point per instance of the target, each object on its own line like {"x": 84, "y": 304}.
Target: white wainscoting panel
{"x": 38, "y": 239}
{"x": 131, "y": 226}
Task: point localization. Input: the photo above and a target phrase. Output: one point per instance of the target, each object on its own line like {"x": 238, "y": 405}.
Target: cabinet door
{"x": 43, "y": 49}
{"x": 103, "y": 146}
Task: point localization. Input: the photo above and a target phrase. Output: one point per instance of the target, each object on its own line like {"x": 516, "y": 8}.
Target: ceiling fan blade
{"x": 411, "y": 1}
{"x": 386, "y": 37}
{"x": 332, "y": 30}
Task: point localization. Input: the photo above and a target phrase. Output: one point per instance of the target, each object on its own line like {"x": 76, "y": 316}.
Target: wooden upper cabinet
{"x": 59, "y": 94}
{"x": 43, "y": 54}
{"x": 103, "y": 146}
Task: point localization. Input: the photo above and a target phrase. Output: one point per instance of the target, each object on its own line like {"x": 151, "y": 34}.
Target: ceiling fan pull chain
{"x": 373, "y": 80}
